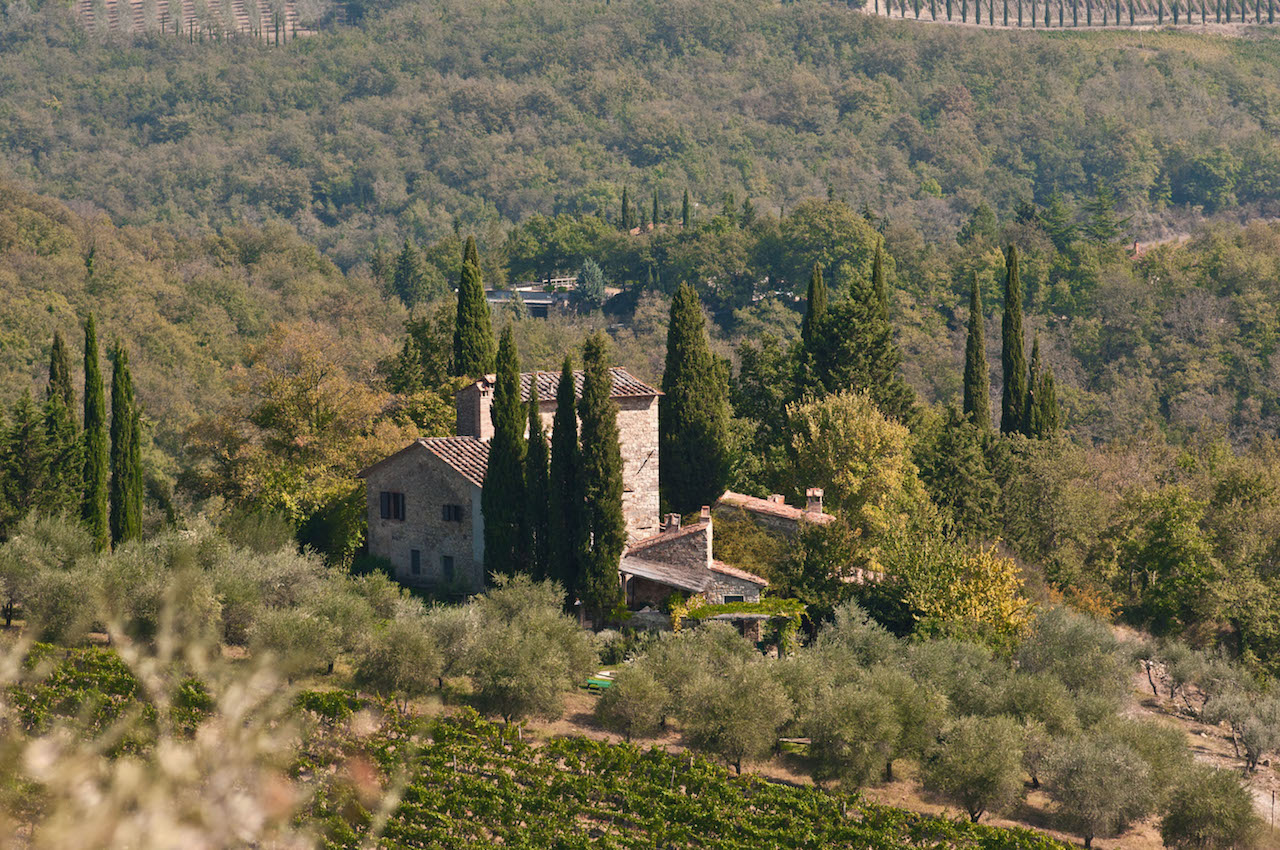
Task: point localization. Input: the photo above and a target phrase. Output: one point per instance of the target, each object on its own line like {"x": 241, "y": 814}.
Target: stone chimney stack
{"x": 705, "y": 515}
{"x": 671, "y": 523}
{"x": 777, "y": 499}
{"x": 473, "y": 403}
{"x": 813, "y": 500}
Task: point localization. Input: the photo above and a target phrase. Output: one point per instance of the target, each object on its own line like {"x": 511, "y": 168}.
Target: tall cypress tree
{"x": 64, "y": 458}
{"x": 470, "y": 253}
{"x": 1013, "y": 356}
{"x": 977, "y": 375}
{"x": 503, "y": 496}
{"x": 654, "y": 214}
{"x": 60, "y": 373}
{"x": 94, "y": 504}
{"x": 693, "y": 418}
{"x": 1031, "y": 414}
{"x": 565, "y": 497}
{"x": 537, "y": 486}
{"x": 473, "y": 347}
{"x": 1048, "y": 417}
{"x": 126, "y": 457}
{"x": 603, "y": 523}
{"x": 686, "y": 212}
{"x": 627, "y": 215}
{"x": 815, "y": 306}
{"x": 878, "y": 285}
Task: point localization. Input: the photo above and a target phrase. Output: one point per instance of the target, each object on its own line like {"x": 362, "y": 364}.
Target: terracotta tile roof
{"x": 777, "y": 509}
{"x": 625, "y": 385}
{"x": 672, "y": 575}
{"x": 664, "y": 537}
{"x": 725, "y": 569}
{"x": 468, "y": 456}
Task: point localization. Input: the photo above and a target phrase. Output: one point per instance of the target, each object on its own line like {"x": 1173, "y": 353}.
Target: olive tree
{"x": 399, "y": 659}
{"x": 852, "y": 733}
{"x": 635, "y": 704}
{"x": 735, "y": 711}
{"x": 978, "y": 764}
{"x": 1101, "y": 786}
{"x": 1210, "y": 810}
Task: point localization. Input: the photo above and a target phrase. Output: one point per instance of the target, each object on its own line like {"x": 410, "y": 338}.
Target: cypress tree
{"x": 977, "y": 376}
{"x": 126, "y": 459}
{"x": 693, "y": 418}
{"x": 565, "y": 497}
{"x": 626, "y": 210}
{"x": 1013, "y": 357}
{"x": 1049, "y": 419}
{"x": 654, "y": 214}
{"x": 503, "y": 495}
{"x": 60, "y": 374}
{"x": 64, "y": 458}
{"x": 94, "y": 504}
{"x": 685, "y": 211}
{"x": 816, "y": 305}
{"x": 473, "y": 347}
{"x": 537, "y": 485}
{"x": 878, "y": 285}
{"x": 1031, "y": 421}
{"x": 470, "y": 253}
{"x": 604, "y": 529}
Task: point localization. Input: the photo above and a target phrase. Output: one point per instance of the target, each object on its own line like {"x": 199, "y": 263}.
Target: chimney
{"x": 813, "y": 500}
{"x": 777, "y": 499}
{"x": 705, "y": 515}
{"x": 672, "y": 523}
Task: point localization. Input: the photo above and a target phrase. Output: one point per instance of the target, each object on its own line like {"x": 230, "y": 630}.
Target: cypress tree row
{"x": 693, "y": 418}
{"x": 537, "y": 484}
{"x": 1013, "y": 357}
{"x": 126, "y": 457}
{"x": 503, "y": 495}
{"x": 977, "y": 375}
{"x": 94, "y": 503}
{"x": 565, "y": 498}
{"x": 604, "y": 529}
{"x": 815, "y": 305}
{"x": 473, "y": 348}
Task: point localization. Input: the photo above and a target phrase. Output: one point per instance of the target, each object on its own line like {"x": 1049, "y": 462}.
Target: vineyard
{"x": 1058, "y": 14}
{"x": 477, "y": 784}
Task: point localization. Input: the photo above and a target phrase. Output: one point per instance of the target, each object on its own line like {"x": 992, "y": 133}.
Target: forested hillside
{"x": 483, "y": 112}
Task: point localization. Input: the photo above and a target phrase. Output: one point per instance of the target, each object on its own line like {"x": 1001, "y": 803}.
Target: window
{"x": 446, "y": 567}
{"x": 729, "y": 599}
{"x": 392, "y": 505}
{"x": 415, "y": 562}
{"x": 452, "y": 513}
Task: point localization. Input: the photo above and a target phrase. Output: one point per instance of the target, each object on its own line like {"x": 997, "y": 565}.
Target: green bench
{"x": 596, "y": 685}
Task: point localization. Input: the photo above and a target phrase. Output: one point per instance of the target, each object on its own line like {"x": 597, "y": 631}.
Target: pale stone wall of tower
{"x": 638, "y": 438}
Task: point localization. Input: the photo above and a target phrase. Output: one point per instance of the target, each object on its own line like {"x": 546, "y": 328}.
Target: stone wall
{"x": 638, "y": 437}
{"x": 428, "y": 484}
{"x": 724, "y": 585}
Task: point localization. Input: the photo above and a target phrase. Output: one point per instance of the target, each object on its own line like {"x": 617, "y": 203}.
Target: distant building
{"x": 773, "y": 513}
{"x": 424, "y": 505}
{"x": 680, "y": 560}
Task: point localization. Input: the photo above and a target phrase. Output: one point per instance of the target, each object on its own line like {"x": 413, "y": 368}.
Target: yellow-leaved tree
{"x": 305, "y": 417}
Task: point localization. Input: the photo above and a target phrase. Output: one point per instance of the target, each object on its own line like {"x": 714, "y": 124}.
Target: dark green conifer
{"x": 958, "y": 476}
{"x": 126, "y": 454}
{"x": 693, "y": 418}
{"x": 654, "y": 214}
{"x": 473, "y": 346}
{"x": 503, "y": 495}
{"x": 815, "y": 305}
{"x": 1043, "y": 418}
{"x": 64, "y": 458}
{"x": 470, "y": 253}
{"x": 878, "y": 285}
{"x": 407, "y": 280}
{"x": 977, "y": 375}
{"x": 854, "y": 349}
{"x": 686, "y": 212}
{"x": 1030, "y": 420}
{"x": 25, "y": 459}
{"x": 625, "y": 222}
{"x": 1013, "y": 357}
{"x": 565, "y": 502}
{"x": 94, "y": 508}
{"x": 604, "y": 527}
{"x": 537, "y": 485}
{"x": 60, "y": 374}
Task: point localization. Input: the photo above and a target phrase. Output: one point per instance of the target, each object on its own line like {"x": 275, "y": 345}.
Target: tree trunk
{"x": 888, "y": 770}
{"x": 1151, "y": 681}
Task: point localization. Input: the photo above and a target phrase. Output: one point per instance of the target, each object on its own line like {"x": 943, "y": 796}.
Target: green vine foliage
{"x": 477, "y": 784}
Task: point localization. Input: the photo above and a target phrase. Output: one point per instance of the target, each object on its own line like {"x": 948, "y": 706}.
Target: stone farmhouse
{"x": 424, "y": 501}
{"x": 773, "y": 513}
{"x": 680, "y": 559}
